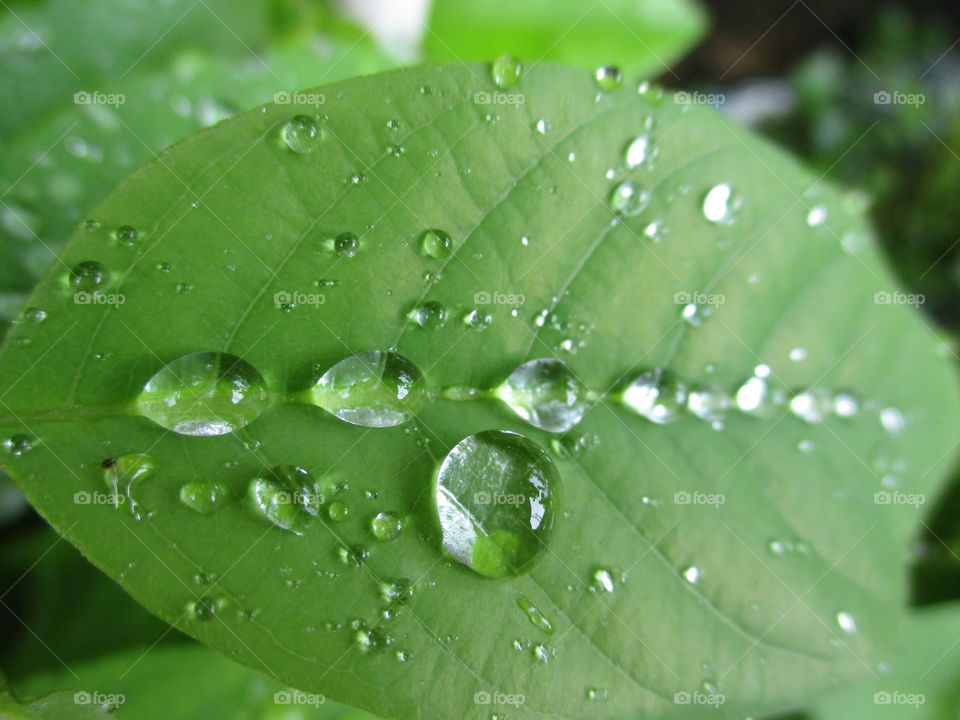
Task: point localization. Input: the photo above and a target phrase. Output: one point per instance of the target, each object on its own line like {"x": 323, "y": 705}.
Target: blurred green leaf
{"x": 641, "y": 37}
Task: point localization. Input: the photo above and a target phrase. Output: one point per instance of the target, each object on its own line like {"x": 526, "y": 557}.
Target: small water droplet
{"x": 608, "y": 78}
{"x": 302, "y": 134}
{"x": 892, "y": 420}
{"x": 203, "y": 497}
{"x": 436, "y": 244}
{"x": 798, "y": 354}
{"x": 538, "y": 619}
{"x": 430, "y": 315}
{"x": 817, "y": 216}
{"x": 89, "y": 276}
{"x": 123, "y": 474}
{"x": 605, "y": 580}
{"x": 637, "y": 151}
{"x": 542, "y": 126}
{"x": 34, "y": 315}
{"x": 546, "y": 394}
{"x": 204, "y": 609}
{"x": 386, "y": 526}
{"x": 18, "y": 445}
{"x": 845, "y": 405}
{"x": 288, "y": 497}
{"x": 628, "y": 199}
{"x": 203, "y": 394}
{"x": 810, "y": 406}
{"x": 127, "y": 235}
{"x": 374, "y": 389}
{"x": 477, "y": 319}
{"x": 719, "y": 204}
{"x": 656, "y": 395}
{"x": 847, "y": 622}
{"x": 708, "y": 403}
{"x": 495, "y": 501}
{"x": 692, "y": 575}
{"x": 506, "y": 71}
{"x": 346, "y": 244}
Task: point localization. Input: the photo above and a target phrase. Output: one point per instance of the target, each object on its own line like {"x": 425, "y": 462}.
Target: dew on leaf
{"x": 18, "y": 445}
{"x": 436, "y": 244}
{"x": 386, "y": 526}
{"x": 204, "y": 394}
{"x": 203, "y": 497}
{"x": 496, "y": 497}
{"x": 346, "y": 244}
{"x": 302, "y": 134}
{"x": 89, "y": 276}
{"x": 287, "y": 497}
{"x": 636, "y": 152}
{"x": 127, "y": 235}
{"x": 708, "y": 403}
{"x": 338, "y": 511}
{"x": 546, "y": 394}
{"x": 656, "y": 395}
{"x": 628, "y": 199}
{"x": 376, "y": 389}
{"x": 123, "y": 474}
{"x": 506, "y": 71}
{"x": 537, "y": 618}
{"x": 845, "y": 405}
{"x": 719, "y": 204}
{"x": 477, "y": 319}
{"x": 430, "y": 315}
{"x": 608, "y": 78}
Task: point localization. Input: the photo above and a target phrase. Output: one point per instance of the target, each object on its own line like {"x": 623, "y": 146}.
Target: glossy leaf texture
{"x": 635, "y": 239}
{"x": 636, "y": 36}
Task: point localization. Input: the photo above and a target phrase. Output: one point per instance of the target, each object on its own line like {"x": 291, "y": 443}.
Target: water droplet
{"x": 538, "y": 619}
{"x": 608, "y": 78}
{"x": 798, "y": 354}
{"x": 506, "y": 71}
{"x": 817, "y": 216}
{"x": 627, "y": 199}
{"x": 430, "y": 315}
{"x": 204, "y": 609}
{"x": 542, "y": 126}
{"x": 353, "y": 555}
{"x": 127, "y": 235}
{"x": 708, "y": 403}
{"x": 346, "y": 244}
{"x": 753, "y": 396}
{"x": 605, "y": 580}
{"x": 637, "y": 150}
{"x": 302, "y": 134}
{"x": 892, "y": 420}
{"x": 810, "y": 406}
{"x": 436, "y": 244}
{"x": 18, "y": 445}
{"x": 398, "y": 592}
{"x": 847, "y": 622}
{"x": 477, "y": 319}
{"x": 34, "y": 315}
{"x": 594, "y": 694}
{"x": 541, "y": 654}
{"x": 203, "y": 394}
{"x": 204, "y": 497}
{"x": 546, "y": 394}
{"x": 845, "y": 405}
{"x": 338, "y": 511}
{"x": 374, "y": 389}
{"x": 288, "y": 498}
{"x": 386, "y": 526}
{"x": 695, "y": 314}
{"x": 495, "y": 494}
{"x": 656, "y": 395}
{"x": 122, "y": 474}
{"x": 692, "y": 575}
{"x": 89, "y": 276}
{"x": 719, "y": 205}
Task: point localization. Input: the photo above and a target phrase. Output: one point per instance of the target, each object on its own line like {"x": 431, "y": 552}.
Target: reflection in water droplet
{"x": 628, "y": 199}
{"x": 546, "y": 394}
{"x": 436, "y": 244}
{"x": 656, "y": 395}
{"x": 719, "y": 205}
{"x": 430, "y": 315}
{"x": 477, "y": 319}
{"x": 608, "y": 78}
{"x": 386, "y": 526}
{"x": 203, "y": 394}
{"x": 346, "y": 244}
{"x": 374, "y": 389}
{"x": 496, "y": 498}
{"x": 288, "y": 497}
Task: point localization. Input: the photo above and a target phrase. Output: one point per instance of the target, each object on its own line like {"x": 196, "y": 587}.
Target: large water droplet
{"x": 302, "y": 134}
{"x": 374, "y": 389}
{"x": 203, "y": 394}
{"x": 546, "y": 394}
{"x": 496, "y": 497}
{"x": 656, "y": 395}
{"x": 506, "y": 71}
{"x": 719, "y": 205}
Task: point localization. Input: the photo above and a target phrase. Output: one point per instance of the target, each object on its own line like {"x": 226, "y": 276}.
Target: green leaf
{"x": 187, "y": 682}
{"x": 781, "y": 576}
{"x": 641, "y": 37}
{"x": 920, "y": 684}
